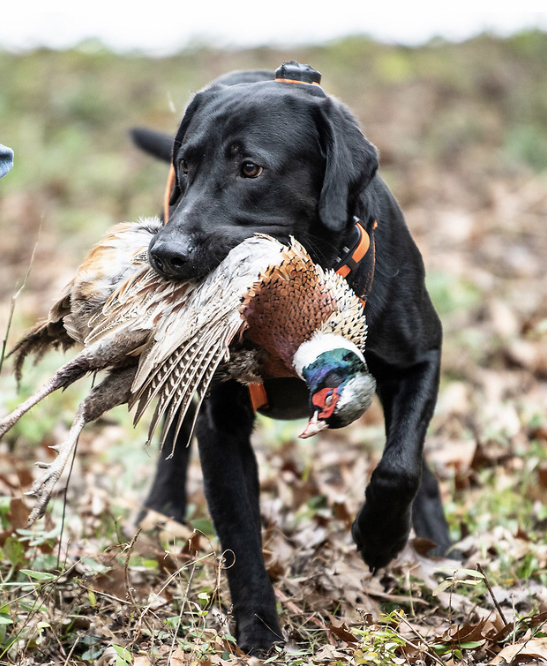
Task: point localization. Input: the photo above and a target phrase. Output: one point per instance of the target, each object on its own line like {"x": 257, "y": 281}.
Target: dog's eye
{"x": 251, "y": 170}
{"x": 184, "y": 166}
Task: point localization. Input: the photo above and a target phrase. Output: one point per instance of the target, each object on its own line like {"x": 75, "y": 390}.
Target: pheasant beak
{"x": 313, "y": 427}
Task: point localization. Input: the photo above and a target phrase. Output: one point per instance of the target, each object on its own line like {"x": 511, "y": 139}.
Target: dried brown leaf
{"x": 535, "y": 649}
{"x": 342, "y": 633}
{"x": 18, "y": 513}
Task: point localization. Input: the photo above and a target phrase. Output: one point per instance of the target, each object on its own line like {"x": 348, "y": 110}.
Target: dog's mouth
{"x": 177, "y": 256}
{"x": 179, "y": 268}
{"x": 186, "y": 259}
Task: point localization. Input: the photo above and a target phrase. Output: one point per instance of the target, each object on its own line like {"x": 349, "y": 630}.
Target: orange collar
{"x": 353, "y": 255}
{"x": 167, "y": 193}
{"x": 350, "y": 261}
{"x": 306, "y": 83}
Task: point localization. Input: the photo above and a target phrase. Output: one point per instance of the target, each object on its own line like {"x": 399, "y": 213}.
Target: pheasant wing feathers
{"x": 70, "y": 319}
{"x": 191, "y": 326}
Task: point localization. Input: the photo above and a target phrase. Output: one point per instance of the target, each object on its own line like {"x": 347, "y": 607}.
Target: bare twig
{"x": 496, "y": 603}
{"x": 126, "y": 567}
{"x": 8, "y": 326}
{"x": 167, "y": 582}
{"x": 179, "y": 621}
{"x": 64, "y": 507}
{"x": 16, "y": 296}
{"x": 72, "y": 650}
{"x": 422, "y": 640}
{"x": 129, "y": 591}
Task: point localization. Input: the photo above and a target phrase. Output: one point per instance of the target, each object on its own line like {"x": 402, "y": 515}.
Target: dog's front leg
{"x": 408, "y": 397}
{"x": 232, "y": 489}
{"x": 168, "y": 492}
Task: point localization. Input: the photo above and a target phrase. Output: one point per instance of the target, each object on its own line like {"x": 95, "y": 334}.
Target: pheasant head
{"x": 341, "y": 388}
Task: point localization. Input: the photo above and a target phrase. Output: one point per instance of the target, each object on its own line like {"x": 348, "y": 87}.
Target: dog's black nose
{"x": 172, "y": 259}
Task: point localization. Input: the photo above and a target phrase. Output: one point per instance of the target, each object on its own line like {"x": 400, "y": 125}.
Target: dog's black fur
{"x": 318, "y": 172}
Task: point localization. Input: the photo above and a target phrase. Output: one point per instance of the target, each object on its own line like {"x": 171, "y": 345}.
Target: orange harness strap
{"x": 258, "y": 395}
{"x": 167, "y": 193}
{"x": 359, "y": 253}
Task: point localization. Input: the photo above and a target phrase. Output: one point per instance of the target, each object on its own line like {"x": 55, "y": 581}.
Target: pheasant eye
{"x": 250, "y": 170}
{"x": 324, "y": 401}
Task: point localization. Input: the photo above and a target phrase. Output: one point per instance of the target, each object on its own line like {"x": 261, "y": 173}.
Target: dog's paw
{"x": 257, "y": 639}
{"x": 378, "y": 542}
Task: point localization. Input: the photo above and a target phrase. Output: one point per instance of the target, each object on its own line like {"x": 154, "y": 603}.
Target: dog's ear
{"x": 351, "y": 163}
{"x": 157, "y": 144}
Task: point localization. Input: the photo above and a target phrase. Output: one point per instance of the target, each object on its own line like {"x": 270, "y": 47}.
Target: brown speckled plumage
{"x": 292, "y": 301}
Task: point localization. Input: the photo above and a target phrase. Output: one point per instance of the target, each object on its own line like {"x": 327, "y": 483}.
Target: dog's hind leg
{"x": 428, "y": 516}
{"x": 168, "y": 492}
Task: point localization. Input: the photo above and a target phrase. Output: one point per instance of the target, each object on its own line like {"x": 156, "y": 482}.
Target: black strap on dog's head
{"x": 294, "y": 72}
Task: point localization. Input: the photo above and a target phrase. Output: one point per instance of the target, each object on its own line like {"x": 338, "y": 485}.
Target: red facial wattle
{"x": 325, "y": 401}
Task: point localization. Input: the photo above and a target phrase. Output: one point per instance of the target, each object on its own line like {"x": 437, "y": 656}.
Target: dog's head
{"x": 278, "y": 158}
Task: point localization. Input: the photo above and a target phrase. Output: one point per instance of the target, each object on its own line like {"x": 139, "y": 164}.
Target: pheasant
{"x": 266, "y": 311}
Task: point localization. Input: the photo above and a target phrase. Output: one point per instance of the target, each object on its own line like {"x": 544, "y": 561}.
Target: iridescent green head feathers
{"x": 341, "y": 388}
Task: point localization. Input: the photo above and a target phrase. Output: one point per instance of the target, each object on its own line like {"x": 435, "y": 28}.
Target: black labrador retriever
{"x": 254, "y": 154}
